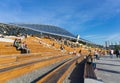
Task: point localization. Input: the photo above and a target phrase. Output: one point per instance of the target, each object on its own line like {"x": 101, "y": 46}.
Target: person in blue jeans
{"x": 91, "y": 60}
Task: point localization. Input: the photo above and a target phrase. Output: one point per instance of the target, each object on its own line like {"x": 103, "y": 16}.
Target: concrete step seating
{"x": 7, "y": 61}
{"x": 42, "y": 54}
{"x": 24, "y": 68}
{"x": 4, "y": 59}
{"x": 7, "y": 49}
{"x": 59, "y": 74}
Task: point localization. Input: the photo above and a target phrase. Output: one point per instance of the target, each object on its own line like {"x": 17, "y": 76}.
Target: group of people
{"x": 92, "y": 57}
{"x": 22, "y": 46}
{"x": 114, "y": 52}
{"x": 91, "y": 61}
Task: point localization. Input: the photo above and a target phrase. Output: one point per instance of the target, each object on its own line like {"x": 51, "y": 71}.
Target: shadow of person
{"x": 77, "y": 75}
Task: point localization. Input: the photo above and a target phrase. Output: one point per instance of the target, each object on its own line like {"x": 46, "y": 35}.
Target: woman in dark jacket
{"x": 117, "y": 53}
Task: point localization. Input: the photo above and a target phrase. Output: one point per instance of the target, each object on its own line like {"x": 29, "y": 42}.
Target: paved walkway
{"x": 108, "y": 69}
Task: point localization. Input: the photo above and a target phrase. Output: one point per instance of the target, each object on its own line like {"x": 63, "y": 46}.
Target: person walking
{"x": 91, "y": 60}
{"x": 96, "y": 54}
{"x": 111, "y": 53}
{"x": 117, "y": 53}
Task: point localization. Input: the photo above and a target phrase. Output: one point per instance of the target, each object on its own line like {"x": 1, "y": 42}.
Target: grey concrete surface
{"x": 108, "y": 69}
{"x": 88, "y": 80}
{"x": 31, "y": 76}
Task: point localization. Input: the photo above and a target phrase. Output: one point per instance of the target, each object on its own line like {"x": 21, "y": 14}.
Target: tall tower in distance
{"x": 107, "y": 43}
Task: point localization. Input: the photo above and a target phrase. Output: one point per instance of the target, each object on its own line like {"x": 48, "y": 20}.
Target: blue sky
{"x": 95, "y": 20}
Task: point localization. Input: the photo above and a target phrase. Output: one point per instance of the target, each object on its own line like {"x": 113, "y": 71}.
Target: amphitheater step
{"x": 25, "y": 68}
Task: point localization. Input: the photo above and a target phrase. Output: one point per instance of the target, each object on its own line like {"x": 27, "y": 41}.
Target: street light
{"x": 78, "y": 37}
{"x": 4, "y": 32}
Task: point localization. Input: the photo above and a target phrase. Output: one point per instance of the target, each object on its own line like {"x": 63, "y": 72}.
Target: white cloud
{"x": 114, "y": 37}
{"x": 66, "y": 15}
{"x": 95, "y": 36}
{"x": 90, "y": 36}
{"x": 100, "y": 39}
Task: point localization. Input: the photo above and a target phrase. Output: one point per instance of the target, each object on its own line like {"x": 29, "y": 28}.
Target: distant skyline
{"x": 94, "y": 20}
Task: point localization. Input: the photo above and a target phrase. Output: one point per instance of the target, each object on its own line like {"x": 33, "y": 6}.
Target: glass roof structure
{"x": 36, "y": 29}
{"x": 47, "y": 29}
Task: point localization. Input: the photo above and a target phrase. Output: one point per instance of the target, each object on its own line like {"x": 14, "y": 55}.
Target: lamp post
{"x": 78, "y": 37}
{"x": 4, "y": 32}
